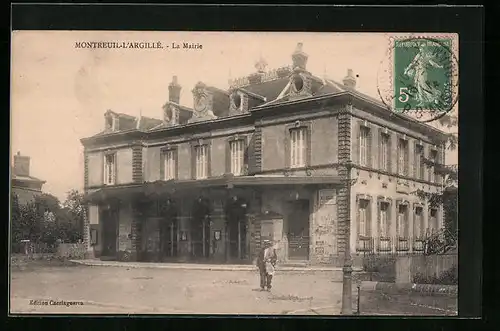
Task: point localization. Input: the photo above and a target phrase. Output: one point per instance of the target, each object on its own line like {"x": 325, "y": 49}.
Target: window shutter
{"x": 355, "y": 144}
{"x": 115, "y": 169}
{"x": 246, "y": 164}
{"x": 162, "y": 164}
{"x": 358, "y": 216}
{"x": 415, "y": 160}
{"x": 379, "y": 219}
{"x": 228, "y": 156}
{"x": 193, "y": 161}
{"x": 369, "y": 145}
{"x": 369, "y": 219}
{"x": 209, "y": 160}
{"x": 390, "y": 153}
{"x": 407, "y": 157}
{"x": 388, "y": 217}
{"x": 308, "y": 145}
{"x": 175, "y": 161}
{"x": 288, "y": 154}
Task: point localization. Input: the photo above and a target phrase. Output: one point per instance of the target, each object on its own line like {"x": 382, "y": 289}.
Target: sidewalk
{"x": 431, "y": 289}
{"x": 192, "y": 266}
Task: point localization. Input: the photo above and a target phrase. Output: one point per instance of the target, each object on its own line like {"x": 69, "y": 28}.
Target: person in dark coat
{"x": 266, "y": 262}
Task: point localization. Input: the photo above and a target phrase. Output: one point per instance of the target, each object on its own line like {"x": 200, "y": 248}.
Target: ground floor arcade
{"x": 214, "y": 222}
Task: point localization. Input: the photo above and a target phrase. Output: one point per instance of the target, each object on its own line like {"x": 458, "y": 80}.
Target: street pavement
{"x": 136, "y": 290}
{"x": 109, "y": 290}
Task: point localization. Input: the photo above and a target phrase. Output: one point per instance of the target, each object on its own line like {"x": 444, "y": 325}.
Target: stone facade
{"x": 223, "y": 216}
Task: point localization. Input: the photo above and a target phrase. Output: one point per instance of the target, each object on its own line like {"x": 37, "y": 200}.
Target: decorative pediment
{"x": 300, "y": 84}
{"x": 203, "y": 103}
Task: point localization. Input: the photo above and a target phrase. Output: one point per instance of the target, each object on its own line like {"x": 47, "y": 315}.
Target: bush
{"x": 448, "y": 277}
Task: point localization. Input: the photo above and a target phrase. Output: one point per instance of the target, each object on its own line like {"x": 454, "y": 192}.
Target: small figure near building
{"x": 266, "y": 262}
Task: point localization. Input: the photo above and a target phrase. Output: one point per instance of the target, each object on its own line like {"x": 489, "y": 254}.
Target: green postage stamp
{"x": 421, "y": 75}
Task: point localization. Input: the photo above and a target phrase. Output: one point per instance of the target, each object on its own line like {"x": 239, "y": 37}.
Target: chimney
{"x": 21, "y": 165}
{"x": 299, "y": 58}
{"x": 350, "y": 80}
{"x": 174, "y": 91}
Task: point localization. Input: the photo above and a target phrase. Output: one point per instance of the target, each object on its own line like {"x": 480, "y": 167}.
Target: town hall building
{"x": 282, "y": 155}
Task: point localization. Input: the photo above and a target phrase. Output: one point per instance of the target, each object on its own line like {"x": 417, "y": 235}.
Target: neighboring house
{"x": 26, "y": 187}
{"x": 264, "y": 159}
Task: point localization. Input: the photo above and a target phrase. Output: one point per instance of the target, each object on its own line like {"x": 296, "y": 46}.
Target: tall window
{"x": 109, "y": 169}
{"x": 169, "y": 165}
{"x": 403, "y": 157}
{"x": 237, "y": 150}
{"x": 384, "y": 220}
{"x": 384, "y": 152}
{"x": 433, "y": 158}
{"x": 418, "y": 223}
{"x": 298, "y": 139}
{"x": 201, "y": 161}
{"x": 419, "y": 165}
{"x": 364, "y": 145}
{"x": 433, "y": 220}
{"x": 402, "y": 221}
{"x": 363, "y": 218}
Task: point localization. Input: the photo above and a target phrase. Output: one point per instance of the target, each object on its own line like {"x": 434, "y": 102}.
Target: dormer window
{"x": 237, "y": 100}
{"x": 109, "y": 123}
{"x": 298, "y": 83}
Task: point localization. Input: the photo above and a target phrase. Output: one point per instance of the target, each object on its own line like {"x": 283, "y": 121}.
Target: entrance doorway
{"x": 109, "y": 231}
{"x": 237, "y": 229}
{"x": 168, "y": 236}
{"x": 298, "y": 230}
{"x": 200, "y": 229}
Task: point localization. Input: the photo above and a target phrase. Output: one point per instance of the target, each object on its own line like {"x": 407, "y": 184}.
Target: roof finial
{"x": 261, "y": 64}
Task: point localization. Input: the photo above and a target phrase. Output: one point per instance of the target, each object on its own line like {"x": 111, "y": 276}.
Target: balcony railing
{"x": 397, "y": 244}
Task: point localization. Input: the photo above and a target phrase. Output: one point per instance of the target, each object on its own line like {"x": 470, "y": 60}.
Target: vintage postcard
{"x": 268, "y": 173}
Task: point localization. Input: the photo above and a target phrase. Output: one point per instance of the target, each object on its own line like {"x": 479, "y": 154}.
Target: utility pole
{"x": 347, "y": 269}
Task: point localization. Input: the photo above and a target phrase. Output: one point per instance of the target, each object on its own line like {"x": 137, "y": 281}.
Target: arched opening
{"x": 200, "y": 228}
{"x": 237, "y": 228}
{"x": 168, "y": 229}
{"x": 298, "y": 83}
{"x": 237, "y": 100}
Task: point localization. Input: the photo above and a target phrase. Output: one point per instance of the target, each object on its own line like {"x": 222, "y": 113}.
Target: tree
{"x": 75, "y": 207}
{"x": 446, "y": 239}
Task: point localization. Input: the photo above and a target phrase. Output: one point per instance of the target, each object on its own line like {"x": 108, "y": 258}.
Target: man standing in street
{"x": 266, "y": 262}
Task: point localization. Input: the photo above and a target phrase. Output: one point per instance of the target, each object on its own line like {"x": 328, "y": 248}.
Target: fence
{"x": 30, "y": 248}
{"x": 408, "y": 268}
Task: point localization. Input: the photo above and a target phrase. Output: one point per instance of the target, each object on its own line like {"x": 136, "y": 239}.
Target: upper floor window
{"x": 169, "y": 164}
{"x": 298, "y": 139}
{"x": 237, "y": 151}
{"x": 201, "y": 165}
{"x": 384, "y": 152}
{"x": 433, "y": 158}
{"x": 109, "y": 169}
{"x": 403, "y": 157}
{"x": 364, "y": 146}
{"x": 419, "y": 165}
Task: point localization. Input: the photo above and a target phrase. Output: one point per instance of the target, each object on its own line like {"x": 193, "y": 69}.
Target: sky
{"x": 60, "y": 93}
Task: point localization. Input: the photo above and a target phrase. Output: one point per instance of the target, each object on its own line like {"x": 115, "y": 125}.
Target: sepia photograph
{"x": 233, "y": 173}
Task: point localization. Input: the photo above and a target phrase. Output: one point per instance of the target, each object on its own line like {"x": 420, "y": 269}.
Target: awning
{"x": 114, "y": 192}
{"x": 171, "y": 186}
